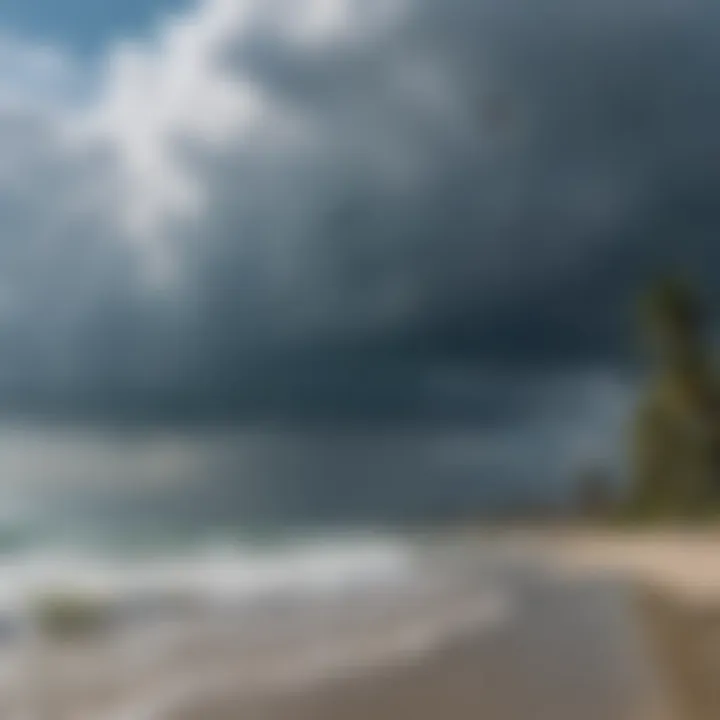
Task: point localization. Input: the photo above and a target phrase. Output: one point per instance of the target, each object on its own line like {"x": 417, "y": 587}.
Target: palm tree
{"x": 677, "y": 443}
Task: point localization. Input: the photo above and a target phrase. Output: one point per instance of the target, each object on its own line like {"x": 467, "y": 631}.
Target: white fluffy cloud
{"x": 109, "y": 172}
{"x": 162, "y": 102}
{"x": 301, "y": 107}
{"x": 136, "y": 123}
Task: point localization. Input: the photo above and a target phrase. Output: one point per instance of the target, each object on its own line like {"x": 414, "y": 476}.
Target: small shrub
{"x": 69, "y": 615}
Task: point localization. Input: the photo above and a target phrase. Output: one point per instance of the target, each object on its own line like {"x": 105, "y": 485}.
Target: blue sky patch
{"x": 84, "y": 26}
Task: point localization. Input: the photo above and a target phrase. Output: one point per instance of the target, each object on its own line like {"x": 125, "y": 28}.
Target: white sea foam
{"x": 257, "y": 621}
{"x": 217, "y": 574}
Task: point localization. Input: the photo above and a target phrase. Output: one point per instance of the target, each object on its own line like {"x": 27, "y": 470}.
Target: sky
{"x": 85, "y": 27}
{"x": 399, "y": 236}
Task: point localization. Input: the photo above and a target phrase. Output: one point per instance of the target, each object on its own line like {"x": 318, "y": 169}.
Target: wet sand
{"x": 685, "y": 641}
{"x": 571, "y": 652}
{"x": 676, "y": 576}
{"x": 596, "y": 627}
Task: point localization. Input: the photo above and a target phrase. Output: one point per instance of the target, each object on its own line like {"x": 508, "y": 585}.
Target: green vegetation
{"x": 676, "y": 441}
{"x": 65, "y": 615}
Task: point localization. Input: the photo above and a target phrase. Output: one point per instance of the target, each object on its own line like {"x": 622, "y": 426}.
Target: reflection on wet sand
{"x": 685, "y": 640}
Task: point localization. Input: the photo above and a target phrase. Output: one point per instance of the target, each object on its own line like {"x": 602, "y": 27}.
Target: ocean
{"x": 143, "y": 575}
{"x": 300, "y": 614}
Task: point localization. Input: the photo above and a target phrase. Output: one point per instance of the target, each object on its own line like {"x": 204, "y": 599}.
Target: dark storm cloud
{"x": 476, "y": 190}
{"x": 402, "y": 252}
{"x": 557, "y": 157}
{"x": 299, "y": 475}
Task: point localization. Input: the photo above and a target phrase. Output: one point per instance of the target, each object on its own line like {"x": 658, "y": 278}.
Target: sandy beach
{"x": 676, "y": 574}
{"x": 555, "y": 625}
{"x": 567, "y": 655}
{"x": 628, "y": 628}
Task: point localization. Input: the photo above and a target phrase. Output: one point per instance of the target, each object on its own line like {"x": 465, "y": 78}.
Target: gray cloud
{"x": 421, "y": 216}
{"x": 296, "y": 475}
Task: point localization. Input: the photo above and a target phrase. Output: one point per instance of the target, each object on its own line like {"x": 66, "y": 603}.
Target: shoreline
{"x": 578, "y": 623}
